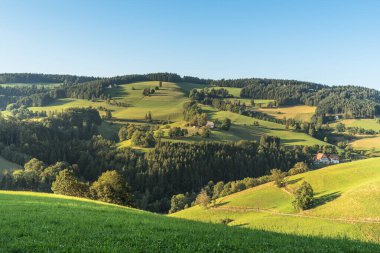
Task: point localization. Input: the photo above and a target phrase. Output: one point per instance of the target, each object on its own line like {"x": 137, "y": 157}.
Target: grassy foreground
{"x": 35, "y": 222}
{"x": 347, "y": 204}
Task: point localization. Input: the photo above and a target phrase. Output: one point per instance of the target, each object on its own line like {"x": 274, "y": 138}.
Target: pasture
{"x": 299, "y": 112}
{"x": 347, "y": 204}
{"x": 38, "y": 222}
{"x": 165, "y": 104}
{"x": 369, "y": 124}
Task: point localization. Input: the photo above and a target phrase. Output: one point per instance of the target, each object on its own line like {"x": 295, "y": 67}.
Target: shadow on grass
{"x": 220, "y": 204}
{"x": 241, "y": 225}
{"x": 326, "y": 198}
{"x": 294, "y": 180}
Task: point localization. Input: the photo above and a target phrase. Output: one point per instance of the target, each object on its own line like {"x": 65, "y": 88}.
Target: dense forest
{"x": 43, "y": 78}
{"x": 350, "y": 101}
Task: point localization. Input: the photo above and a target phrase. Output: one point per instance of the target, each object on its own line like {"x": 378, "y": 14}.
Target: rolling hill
{"x": 38, "y": 222}
{"x": 347, "y": 204}
{"x": 166, "y": 104}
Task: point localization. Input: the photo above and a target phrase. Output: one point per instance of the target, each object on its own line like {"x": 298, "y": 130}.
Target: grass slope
{"x": 299, "y": 112}
{"x": 243, "y": 129}
{"x": 369, "y": 124}
{"x": 36, "y": 222}
{"x": 165, "y": 103}
{"x": 347, "y": 197}
{"x": 7, "y": 165}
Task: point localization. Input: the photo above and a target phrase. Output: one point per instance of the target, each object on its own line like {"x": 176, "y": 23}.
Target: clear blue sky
{"x": 331, "y": 42}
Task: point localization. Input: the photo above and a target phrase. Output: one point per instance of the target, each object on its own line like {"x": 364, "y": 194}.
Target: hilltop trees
{"x": 303, "y": 197}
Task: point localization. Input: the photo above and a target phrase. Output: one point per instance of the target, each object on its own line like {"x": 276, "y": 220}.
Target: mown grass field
{"x": 347, "y": 204}
{"x": 37, "y": 222}
{"x": 370, "y": 124}
{"x": 299, "y": 112}
{"x": 7, "y": 165}
{"x": 367, "y": 143}
{"x": 243, "y": 129}
{"x": 165, "y": 103}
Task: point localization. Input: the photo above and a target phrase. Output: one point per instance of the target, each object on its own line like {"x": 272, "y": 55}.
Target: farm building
{"x": 210, "y": 124}
{"x": 322, "y": 158}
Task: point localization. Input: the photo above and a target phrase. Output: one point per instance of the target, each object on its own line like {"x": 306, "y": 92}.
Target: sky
{"x": 324, "y": 41}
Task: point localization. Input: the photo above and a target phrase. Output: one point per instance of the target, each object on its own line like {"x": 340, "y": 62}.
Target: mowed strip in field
{"x": 369, "y": 124}
{"x": 38, "y": 222}
{"x": 299, "y": 112}
{"x": 347, "y": 204}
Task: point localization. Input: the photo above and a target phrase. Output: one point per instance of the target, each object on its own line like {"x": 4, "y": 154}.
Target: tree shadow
{"x": 294, "y": 180}
{"x": 241, "y": 225}
{"x": 326, "y": 198}
{"x": 220, "y": 204}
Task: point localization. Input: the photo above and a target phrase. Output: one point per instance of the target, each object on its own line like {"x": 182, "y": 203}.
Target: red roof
{"x": 319, "y": 156}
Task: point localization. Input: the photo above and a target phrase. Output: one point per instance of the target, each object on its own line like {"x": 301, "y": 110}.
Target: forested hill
{"x": 350, "y": 101}
{"x": 43, "y": 78}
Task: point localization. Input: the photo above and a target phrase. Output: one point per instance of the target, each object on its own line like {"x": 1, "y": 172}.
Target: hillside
{"x": 44, "y": 223}
{"x": 347, "y": 204}
{"x": 167, "y": 104}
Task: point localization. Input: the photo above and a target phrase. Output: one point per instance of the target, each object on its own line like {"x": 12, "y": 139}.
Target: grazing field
{"x": 369, "y": 124}
{"x": 37, "y": 222}
{"x": 299, "y": 112}
{"x": 347, "y": 204}
{"x": 233, "y": 91}
{"x": 243, "y": 129}
{"x": 7, "y": 165}
{"x": 166, "y": 103}
{"x": 367, "y": 143}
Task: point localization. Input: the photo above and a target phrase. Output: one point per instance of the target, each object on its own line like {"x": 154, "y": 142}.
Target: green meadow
{"x": 166, "y": 104}
{"x": 369, "y": 124}
{"x": 40, "y": 222}
{"x": 347, "y": 204}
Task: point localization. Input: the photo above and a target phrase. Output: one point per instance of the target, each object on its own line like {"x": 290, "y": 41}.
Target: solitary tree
{"x": 108, "y": 115}
{"x": 112, "y": 188}
{"x": 303, "y": 197}
{"x": 203, "y": 199}
{"x": 278, "y": 177}
{"x": 67, "y": 184}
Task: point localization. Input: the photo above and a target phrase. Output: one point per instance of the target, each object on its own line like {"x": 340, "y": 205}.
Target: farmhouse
{"x": 210, "y": 124}
{"x": 322, "y": 158}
